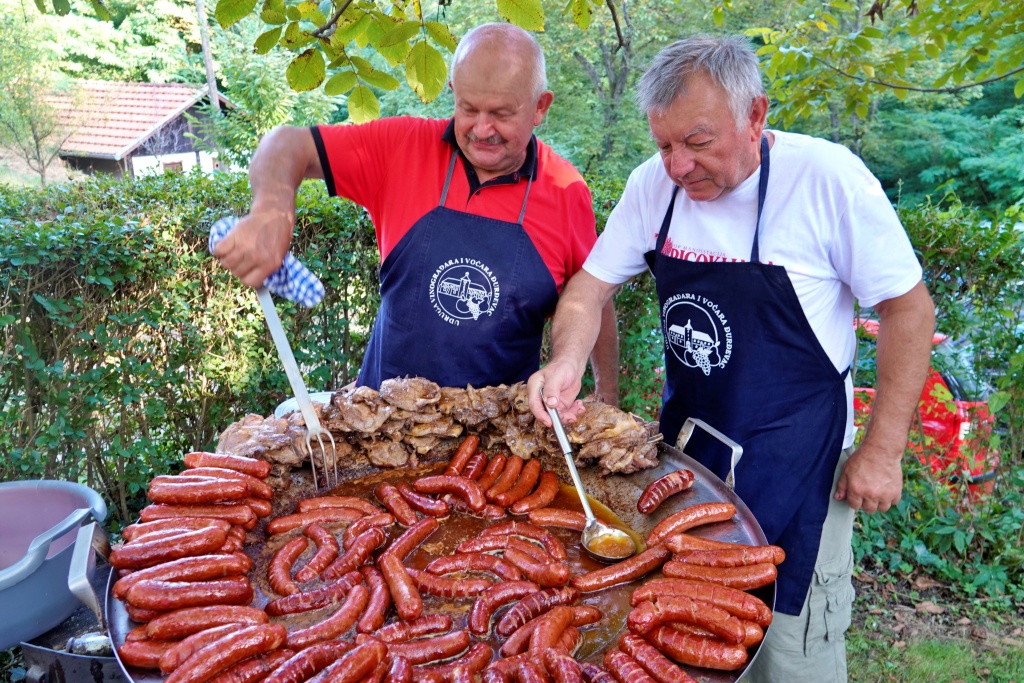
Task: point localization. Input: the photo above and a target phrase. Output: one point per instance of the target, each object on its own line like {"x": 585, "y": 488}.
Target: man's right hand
{"x": 560, "y": 382}
{"x": 256, "y": 246}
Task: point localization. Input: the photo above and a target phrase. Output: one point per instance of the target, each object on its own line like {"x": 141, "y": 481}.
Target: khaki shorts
{"x": 811, "y": 647}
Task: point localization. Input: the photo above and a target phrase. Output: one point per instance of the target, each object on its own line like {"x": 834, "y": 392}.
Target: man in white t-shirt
{"x": 757, "y": 263}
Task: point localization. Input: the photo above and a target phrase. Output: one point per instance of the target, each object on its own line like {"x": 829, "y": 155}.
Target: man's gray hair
{"x": 512, "y": 35}
{"x": 729, "y": 61}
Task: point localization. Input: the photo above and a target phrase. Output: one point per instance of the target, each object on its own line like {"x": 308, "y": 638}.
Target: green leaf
{"x": 267, "y": 40}
{"x": 340, "y": 83}
{"x": 528, "y": 14}
{"x": 229, "y": 12}
{"x": 293, "y": 14}
{"x": 41, "y": 6}
{"x": 307, "y": 71}
{"x": 295, "y": 37}
{"x": 425, "y": 71}
{"x": 718, "y": 15}
{"x": 401, "y": 33}
{"x": 273, "y": 12}
{"x": 102, "y": 13}
{"x": 6, "y": 320}
{"x": 441, "y": 35}
{"x": 363, "y": 105}
{"x": 349, "y": 31}
{"x": 932, "y": 50}
{"x": 1018, "y": 89}
{"x": 62, "y": 7}
{"x": 381, "y": 79}
{"x": 582, "y": 13}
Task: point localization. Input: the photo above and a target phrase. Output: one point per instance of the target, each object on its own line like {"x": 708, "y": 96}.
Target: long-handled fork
{"x": 313, "y": 428}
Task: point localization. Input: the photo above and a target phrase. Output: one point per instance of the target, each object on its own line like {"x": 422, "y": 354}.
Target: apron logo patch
{"x": 463, "y": 289}
{"x": 696, "y": 331}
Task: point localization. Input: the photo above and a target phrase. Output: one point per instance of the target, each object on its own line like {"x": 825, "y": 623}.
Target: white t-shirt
{"x": 826, "y": 219}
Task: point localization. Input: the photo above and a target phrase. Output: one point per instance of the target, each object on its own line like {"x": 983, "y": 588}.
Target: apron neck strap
{"x": 762, "y": 189}
{"x": 448, "y": 182}
{"x": 666, "y": 222}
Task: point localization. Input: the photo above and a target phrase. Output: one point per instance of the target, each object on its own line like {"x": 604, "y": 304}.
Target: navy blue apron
{"x": 741, "y": 355}
{"x": 463, "y": 301}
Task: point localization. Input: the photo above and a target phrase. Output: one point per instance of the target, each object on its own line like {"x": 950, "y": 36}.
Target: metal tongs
{"x": 313, "y": 428}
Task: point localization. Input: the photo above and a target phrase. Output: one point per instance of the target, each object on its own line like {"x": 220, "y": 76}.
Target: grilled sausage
{"x": 628, "y": 570}
{"x": 336, "y": 624}
{"x": 466, "y": 489}
{"x": 228, "y": 651}
{"x": 592, "y": 673}
{"x": 195, "y": 492}
{"x": 473, "y": 662}
{"x": 279, "y": 525}
{"x": 444, "y": 587}
{"x": 399, "y": 671}
{"x": 380, "y": 599}
{"x": 562, "y": 668}
{"x": 307, "y": 663}
{"x": 660, "y": 667}
{"x": 279, "y": 571}
{"x": 241, "y": 515}
{"x": 403, "y": 591}
{"x": 171, "y": 595}
{"x": 184, "y": 622}
{"x": 744, "y": 578}
{"x": 253, "y": 669}
{"x": 354, "y": 557}
{"x": 546, "y": 492}
{"x": 494, "y": 597}
{"x": 709, "y": 653}
{"x": 534, "y": 605}
{"x": 142, "y": 554}
{"x": 357, "y": 527}
{"x": 648, "y": 615}
{"x": 693, "y": 516}
{"x": 182, "y": 650}
{"x": 660, "y": 489}
{"x": 325, "y": 595}
{"x": 492, "y": 471}
{"x": 508, "y": 477}
{"x": 388, "y": 495}
{"x": 549, "y": 628}
{"x": 523, "y": 486}
{"x": 732, "y": 600}
{"x": 257, "y": 488}
{"x": 734, "y": 557}
{"x": 198, "y": 568}
{"x": 144, "y": 654}
{"x": 326, "y": 552}
{"x": 527, "y": 530}
{"x": 545, "y": 574}
{"x": 427, "y": 625}
{"x": 625, "y": 668}
{"x": 412, "y": 537}
{"x": 134, "y": 531}
{"x": 565, "y": 519}
{"x": 475, "y": 467}
{"x": 251, "y": 466}
{"x": 462, "y": 455}
{"x": 476, "y": 562}
{"x": 354, "y": 502}
{"x": 431, "y": 649}
{"x": 423, "y": 504}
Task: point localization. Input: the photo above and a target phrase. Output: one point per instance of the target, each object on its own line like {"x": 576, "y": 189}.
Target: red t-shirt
{"x": 396, "y": 166}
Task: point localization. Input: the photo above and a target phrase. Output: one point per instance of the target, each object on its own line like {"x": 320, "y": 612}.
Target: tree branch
{"x": 618, "y": 27}
{"x": 329, "y": 26}
{"x": 896, "y": 86}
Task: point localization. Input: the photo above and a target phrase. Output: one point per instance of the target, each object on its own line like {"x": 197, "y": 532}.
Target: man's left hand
{"x": 872, "y": 479}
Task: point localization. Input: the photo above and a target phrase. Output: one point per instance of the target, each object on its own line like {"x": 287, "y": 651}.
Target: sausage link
{"x": 336, "y": 624}
{"x": 260, "y": 506}
{"x": 474, "y": 661}
{"x": 358, "y": 663}
{"x": 279, "y": 525}
{"x": 182, "y": 650}
{"x": 378, "y": 673}
{"x": 519, "y": 641}
{"x": 732, "y": 600}
{"x": 326, "y": 552}
{"x": 253, "y": 669}
{"x": 241, "y": 515}
{"x": 399, "y": 671}
{"x": 475, "y": 467}
{"x": 431, "y": 649}
{"x": 660, "y": 489}
{"x": 388, "y": 495}
{"x": 474, "y": 562}
{"x": 184, "y": 622}
{"x": 534, "y": 605}
{"x": 660, "y": 667}
{"x": 648, "y": 615}
{"x": 134, "y": 531}
{"x": 547, "y": 575}
{"x": 547, "y": 491}
{"x": 196, "y": 492}
{"x": 744, "y": 578}
{"x": 462, "y": 455}
{"x": 427, "y": 625}
{"x": 490, "y": 511}
{"x": 528, "y": 671}
{"x": 423, "y": 504}
{"x": 141, "y": 616}
{"x": 229, "y": 650}
{"x": 328, "y": 594}
{"x": 251, "y": 466}
{"x": 635, "y": 567}
{"x": 508, "y": 477}
{"x": 753, "y": 635}
{"x": 684, "y": 542}
{"x": 279, "y": 571}
{"x": 527, "y": 530}
{"x": 565, "y": 519}
{"x": 352, "y": 531}
{"x": 709, "y": 653}
{"x": 137, "y": 633}
{"x": 562, "y": 668}
{"x": 412, "y": 537}
{"x": 354, "y": 557}
{"x": 144, "y": 654}
{"x": 307, "y": 663}
{"x": 625, "y": 668}
{"x": 466, "y": 489}
{"x": 688, "y": 518}
{"x": 197, "y": 568}
{"x": 403, "y": 591}
{"x": 734, "y": 557}
{"x": 143, "y": 554}
{"x": 592, "y": 673}
{"x": 523, "y": 486}
{"x": 549, "y": 628}
{"x": 170, "y": 595}
{"x": 257, "y": 487}
{"x": 353, "y": 502}
{"x": 494, "y": 597}
{"x": 569, "y": 641}
{"x": 379, "y": 601}
{"x": 495, "y": 466}
{"x": 444, "y": 587}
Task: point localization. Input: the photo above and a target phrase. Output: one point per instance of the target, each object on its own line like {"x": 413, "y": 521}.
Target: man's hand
{"x": 256, "y": 246}
{"x": 872, "y": 479}
{"x": 560, "y": 383}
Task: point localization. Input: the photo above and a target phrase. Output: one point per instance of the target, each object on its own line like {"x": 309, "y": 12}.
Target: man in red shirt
{"x": 479, "y": 224}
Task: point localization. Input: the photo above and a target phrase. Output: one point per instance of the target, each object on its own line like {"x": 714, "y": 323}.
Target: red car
{"x": 955, "y": 420}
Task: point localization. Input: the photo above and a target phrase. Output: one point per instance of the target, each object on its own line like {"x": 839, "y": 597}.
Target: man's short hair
{"x": 511, "y": 34}
{"x": 730, "y": 62}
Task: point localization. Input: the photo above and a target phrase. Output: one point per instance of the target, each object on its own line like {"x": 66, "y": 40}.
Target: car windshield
{"x": 954, "y": 361}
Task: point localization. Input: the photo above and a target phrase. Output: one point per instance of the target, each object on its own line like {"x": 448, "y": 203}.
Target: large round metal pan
{"x": 618, "y": 492}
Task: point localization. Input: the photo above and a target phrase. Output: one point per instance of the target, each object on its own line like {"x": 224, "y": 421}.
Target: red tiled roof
{"x": 111, "y": 119}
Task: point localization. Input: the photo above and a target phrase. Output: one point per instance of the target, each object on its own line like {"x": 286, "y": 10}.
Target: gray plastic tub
{"x": 39, "y": 522}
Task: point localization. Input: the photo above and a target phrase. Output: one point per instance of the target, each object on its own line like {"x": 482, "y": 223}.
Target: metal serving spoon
{"x": 601, "y": 541}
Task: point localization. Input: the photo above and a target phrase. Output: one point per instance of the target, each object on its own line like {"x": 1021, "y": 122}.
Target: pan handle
{"x": 39, "y": 547}
{"x": 92, "y": 540}
{"x": 737, "y": 450}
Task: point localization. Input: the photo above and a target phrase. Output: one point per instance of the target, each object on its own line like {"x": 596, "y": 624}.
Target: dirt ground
{"x": 921, "y": 607}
